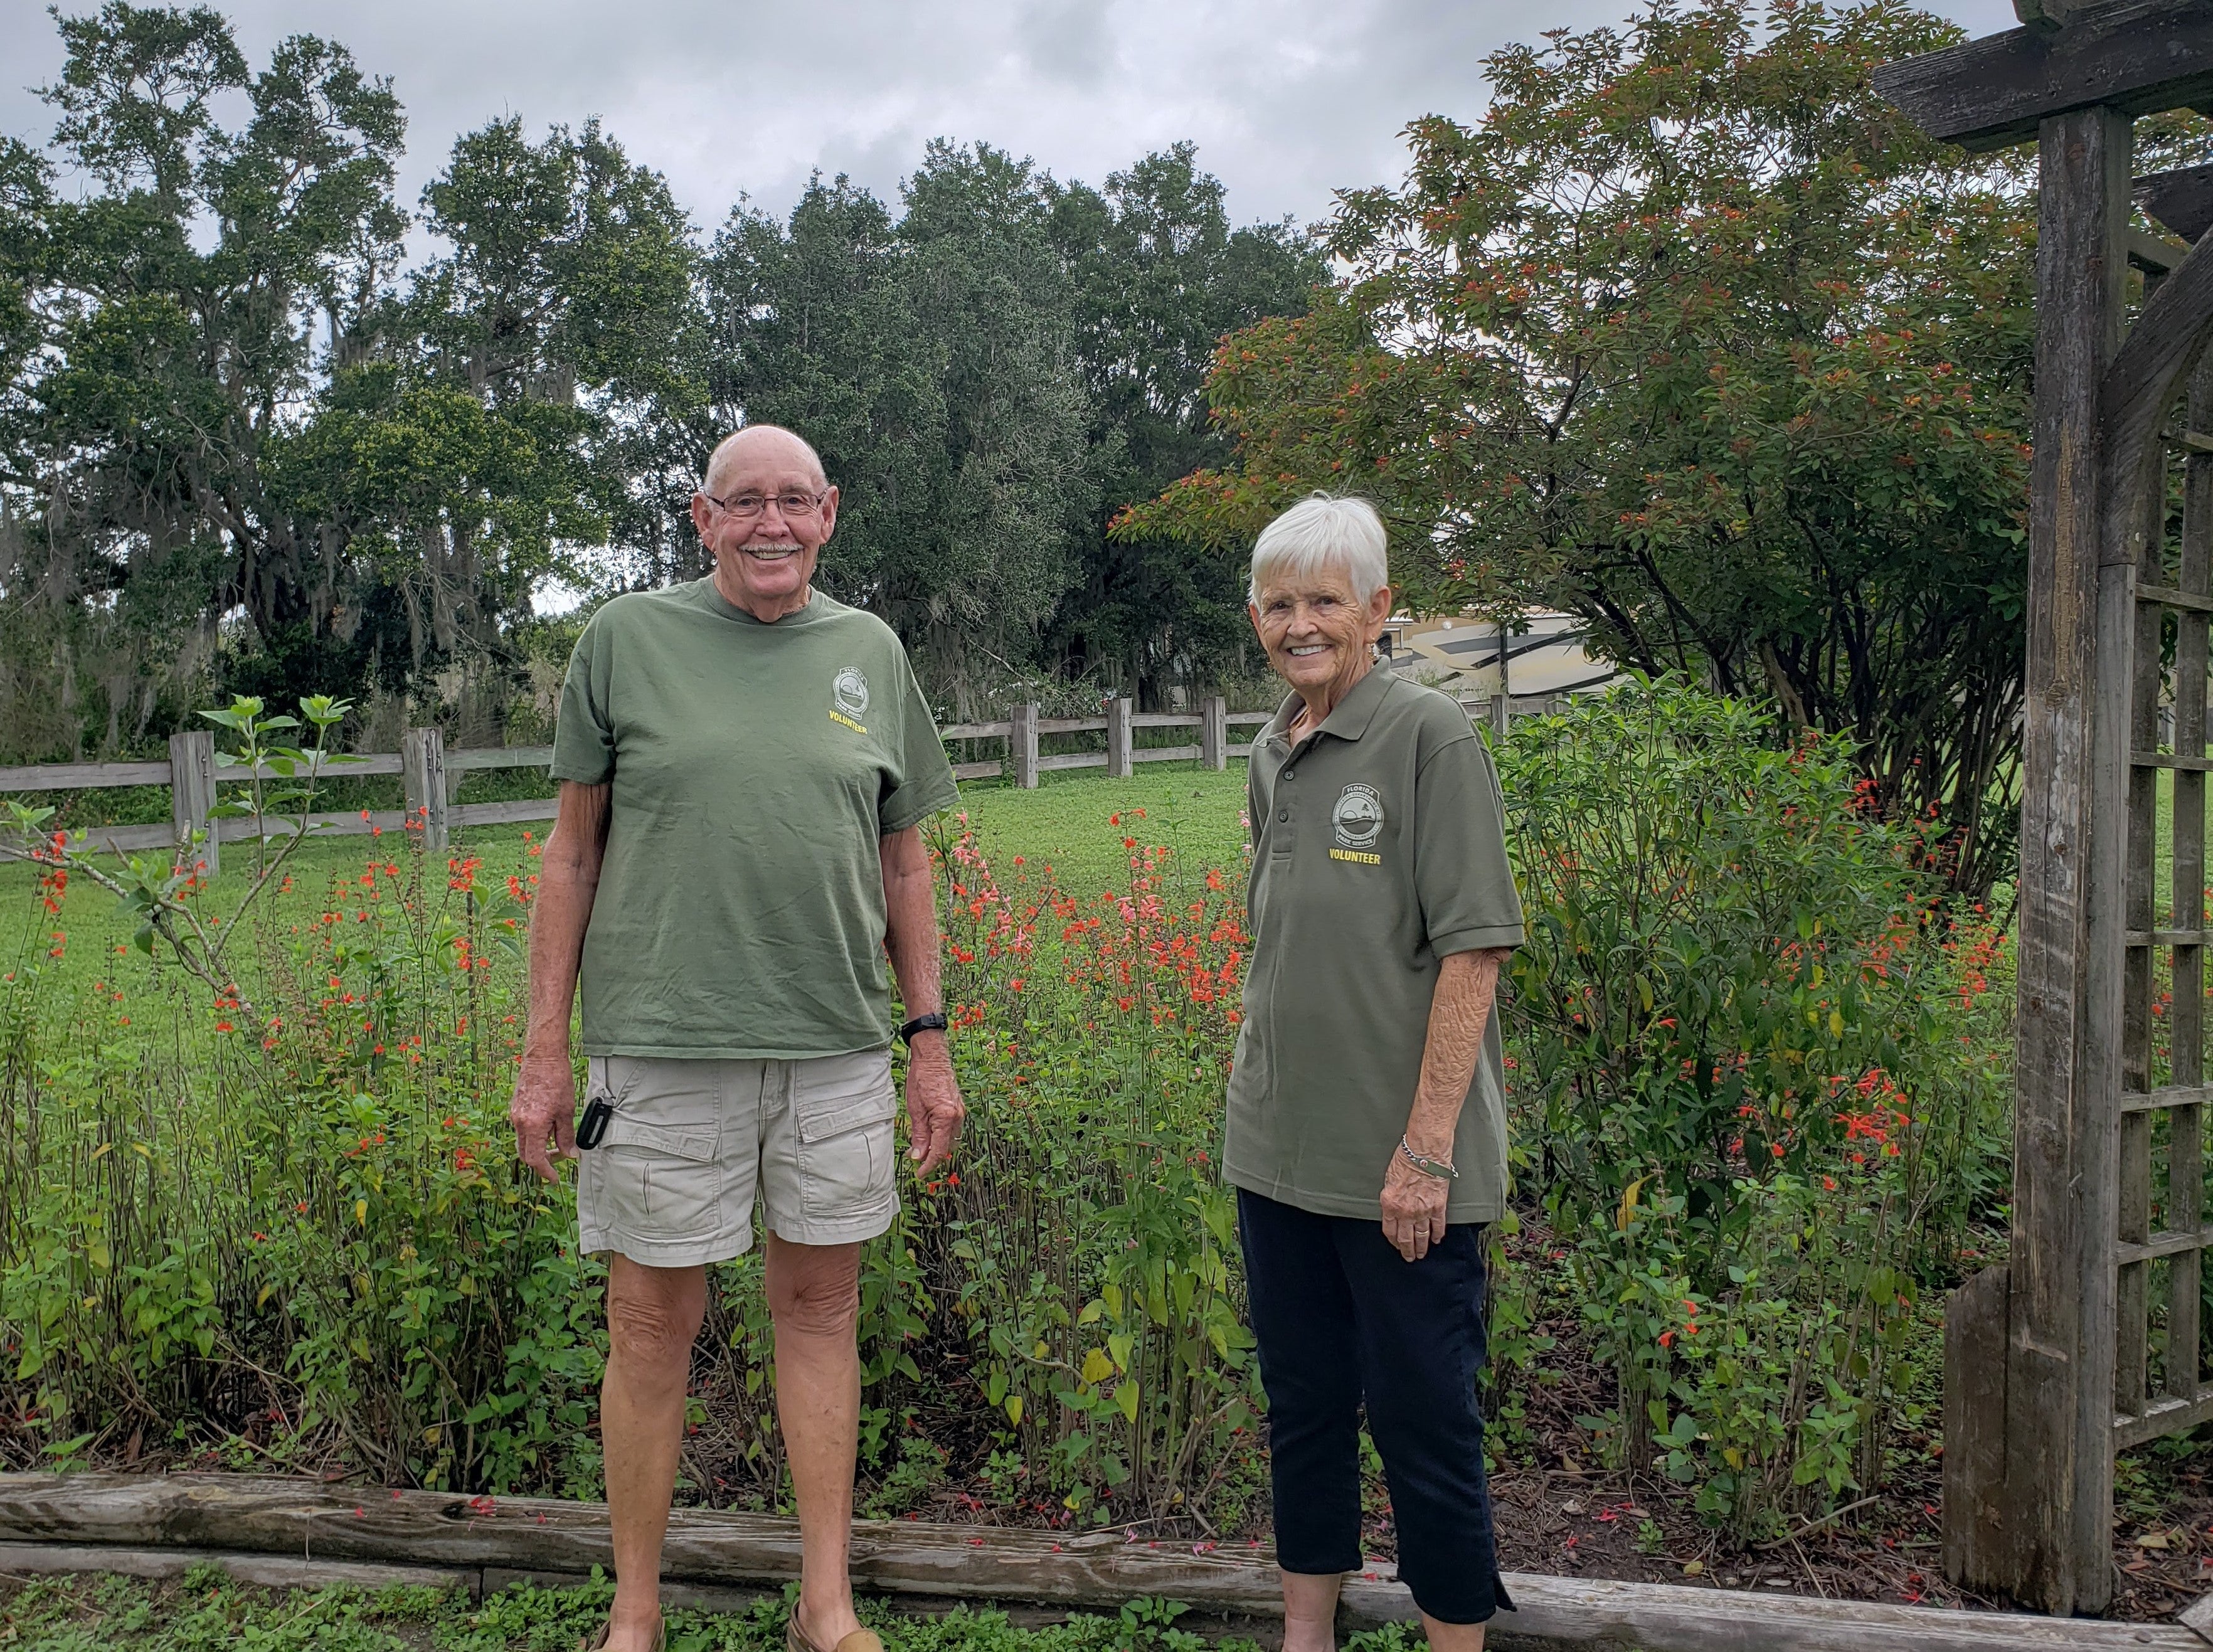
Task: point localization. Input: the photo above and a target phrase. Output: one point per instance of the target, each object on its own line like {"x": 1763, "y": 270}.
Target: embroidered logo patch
{"x": 851, "y": 690}
{"x": 1358, "y": 816}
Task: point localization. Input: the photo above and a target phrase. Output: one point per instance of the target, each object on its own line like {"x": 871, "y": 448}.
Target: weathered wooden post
{"x": 1214, "y": 732}
{"x": 2045, "y": 1361}
{"x": 1119, "y": 762}
{"x": 422, "y": 780}
{"x": 1022, "y": 746}
{"x": 191, "y": 800}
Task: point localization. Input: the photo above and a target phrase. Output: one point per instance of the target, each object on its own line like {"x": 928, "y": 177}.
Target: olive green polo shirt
{"x": 754, "y": 771}
{"x": 1378, "y": 846}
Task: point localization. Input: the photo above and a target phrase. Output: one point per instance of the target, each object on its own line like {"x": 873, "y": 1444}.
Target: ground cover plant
{"x": 1758, "y": 1120}
{"x": 206, "y": 1610}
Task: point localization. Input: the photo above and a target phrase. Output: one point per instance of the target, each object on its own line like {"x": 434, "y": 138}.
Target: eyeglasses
{"x": 747, "y": 506}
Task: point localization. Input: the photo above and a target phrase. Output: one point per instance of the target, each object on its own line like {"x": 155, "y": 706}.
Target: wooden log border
{"x": 83, "y": 1517}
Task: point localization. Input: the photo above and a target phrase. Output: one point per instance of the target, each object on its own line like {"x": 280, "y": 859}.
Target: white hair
{"x": 1322, "y": 529}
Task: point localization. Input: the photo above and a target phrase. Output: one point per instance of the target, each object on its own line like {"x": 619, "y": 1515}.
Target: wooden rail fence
{"x": 1120, "y": 722}
{"x": 1213, "y": 721}
{"x": 431, "y": 775}
{"x": 428, "y": 774}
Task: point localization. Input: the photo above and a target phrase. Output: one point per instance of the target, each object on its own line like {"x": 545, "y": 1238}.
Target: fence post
{"x": 1501, "y": 715}
{"x": 191, "y": 798}
{"x": 1118, "y": 760}
{"x": 1022, "y": 746}
{"x": 1214, "y": 732}
{"x": 423, "y": 777}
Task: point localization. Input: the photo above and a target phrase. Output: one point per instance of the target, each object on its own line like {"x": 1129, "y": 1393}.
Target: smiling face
{"x": 764, "y": 559}
{"x": 1319, "y": 637}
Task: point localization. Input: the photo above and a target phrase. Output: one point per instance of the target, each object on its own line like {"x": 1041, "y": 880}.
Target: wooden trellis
{"x": 2090, "y": 1339}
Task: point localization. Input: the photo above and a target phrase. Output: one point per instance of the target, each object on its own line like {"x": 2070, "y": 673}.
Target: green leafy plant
{"x": 280, "y": 780}
{"x": 1738, "y": 1082}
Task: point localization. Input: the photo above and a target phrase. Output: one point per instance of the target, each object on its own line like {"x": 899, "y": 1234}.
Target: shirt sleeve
{"x": 583, "y": 730}
{"x": 926, "y": 785}
{"x": 1461, "y": 873}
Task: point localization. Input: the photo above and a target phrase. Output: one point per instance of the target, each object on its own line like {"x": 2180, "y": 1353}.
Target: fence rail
{"x": 430, "y": 774}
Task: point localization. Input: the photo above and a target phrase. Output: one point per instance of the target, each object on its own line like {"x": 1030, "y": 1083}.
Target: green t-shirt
{"x": 1378, "y": 846}
{"x": 740, "y": 912}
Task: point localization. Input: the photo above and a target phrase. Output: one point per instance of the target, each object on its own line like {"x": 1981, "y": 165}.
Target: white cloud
{"x": 1288, "y": 100}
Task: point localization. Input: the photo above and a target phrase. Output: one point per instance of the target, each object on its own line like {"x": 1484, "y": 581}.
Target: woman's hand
{"x": 1413, "y": 1208}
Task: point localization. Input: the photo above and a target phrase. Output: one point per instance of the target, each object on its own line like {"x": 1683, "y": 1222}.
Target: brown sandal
{"x": 795, "y": 1640}
{"x": 598, "y": 1642}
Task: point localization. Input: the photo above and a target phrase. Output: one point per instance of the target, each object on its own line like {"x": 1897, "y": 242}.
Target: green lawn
{"x": 1068, "y": 822}
{"x": 206, "y": 1612}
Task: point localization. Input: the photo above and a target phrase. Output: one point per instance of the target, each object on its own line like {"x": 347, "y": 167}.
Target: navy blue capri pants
{"x": 1341, "y": 1318}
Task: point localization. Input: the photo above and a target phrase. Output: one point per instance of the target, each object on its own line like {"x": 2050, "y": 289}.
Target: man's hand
{"x": 544, "y": 1112}
{"x": 1413, "y": 1208}
{"x": 934, "y": 1107}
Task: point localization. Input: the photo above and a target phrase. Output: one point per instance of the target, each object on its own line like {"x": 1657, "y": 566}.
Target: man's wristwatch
{"x": 920, "y": 1024}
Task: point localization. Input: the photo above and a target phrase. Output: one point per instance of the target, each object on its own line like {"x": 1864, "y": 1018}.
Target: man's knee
{"x": 814, "y": 1289}
{"x": 653, "y": 1322}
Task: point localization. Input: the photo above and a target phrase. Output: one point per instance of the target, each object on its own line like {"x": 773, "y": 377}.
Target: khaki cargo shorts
{"x": 692, "y": 1143}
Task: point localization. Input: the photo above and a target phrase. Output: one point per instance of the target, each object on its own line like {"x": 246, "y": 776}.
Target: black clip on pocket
{"x": 594, "y": 1124}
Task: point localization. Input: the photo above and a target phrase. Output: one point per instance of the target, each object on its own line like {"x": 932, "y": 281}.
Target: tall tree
{"x": 933, "y": 363}
{"x": 180, "y": 305}
{"x": 813, "y": 327}
{"x": 1159, "y": 278}
{"x": 1692, "y": 336}
{"x": 537, "y": 386}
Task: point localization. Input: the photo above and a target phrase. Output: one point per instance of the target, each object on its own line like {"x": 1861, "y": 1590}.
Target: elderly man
{"x": 1366, "y": 1134}
{"x": 745, "y": 765}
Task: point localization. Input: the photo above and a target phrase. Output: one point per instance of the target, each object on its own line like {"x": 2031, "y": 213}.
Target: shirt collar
{"x": 1350, "y": 717}
{"x": 805, "y": 614}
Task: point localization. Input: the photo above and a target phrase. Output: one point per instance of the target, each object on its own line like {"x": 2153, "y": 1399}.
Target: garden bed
{"x": 290, "y": 1234}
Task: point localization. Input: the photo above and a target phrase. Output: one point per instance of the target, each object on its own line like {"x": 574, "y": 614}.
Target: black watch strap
{"x": 921, "y": 1024}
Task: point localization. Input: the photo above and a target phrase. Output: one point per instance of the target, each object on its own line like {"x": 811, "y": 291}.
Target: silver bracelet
{"x": 1441, "y": 1168}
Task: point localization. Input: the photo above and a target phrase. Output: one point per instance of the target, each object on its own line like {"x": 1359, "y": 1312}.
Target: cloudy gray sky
{"x": 1287, "y": 99}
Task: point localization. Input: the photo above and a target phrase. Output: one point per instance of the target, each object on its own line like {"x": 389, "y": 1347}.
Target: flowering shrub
{"x": 1088, "y": 1244}
{"x": 1740, "y": 1087}
{"x": 289, "y": 1222}
{"x": 304, "y": 1226}
{"x": 315, "y": 1199}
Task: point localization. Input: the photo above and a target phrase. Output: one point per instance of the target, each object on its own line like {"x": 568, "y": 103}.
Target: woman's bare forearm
{"x": 568, "y": 879}
{"x": 1459, "y": 1013}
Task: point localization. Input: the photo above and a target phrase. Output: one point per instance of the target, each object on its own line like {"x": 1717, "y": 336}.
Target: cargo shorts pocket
{"x": 844, "y": 1108}
{"x": 661, "y": 1152}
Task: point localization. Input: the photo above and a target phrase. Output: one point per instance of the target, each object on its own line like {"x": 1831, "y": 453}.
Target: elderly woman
{"x": 1367, "y": 1132}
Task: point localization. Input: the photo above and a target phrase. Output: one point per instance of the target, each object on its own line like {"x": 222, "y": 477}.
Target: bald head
{"x": 767, "y": 447}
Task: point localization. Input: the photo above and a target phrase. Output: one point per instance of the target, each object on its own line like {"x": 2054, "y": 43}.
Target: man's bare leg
{"x": 653, "y": 1315}
{"x": 815, "y": 1299}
